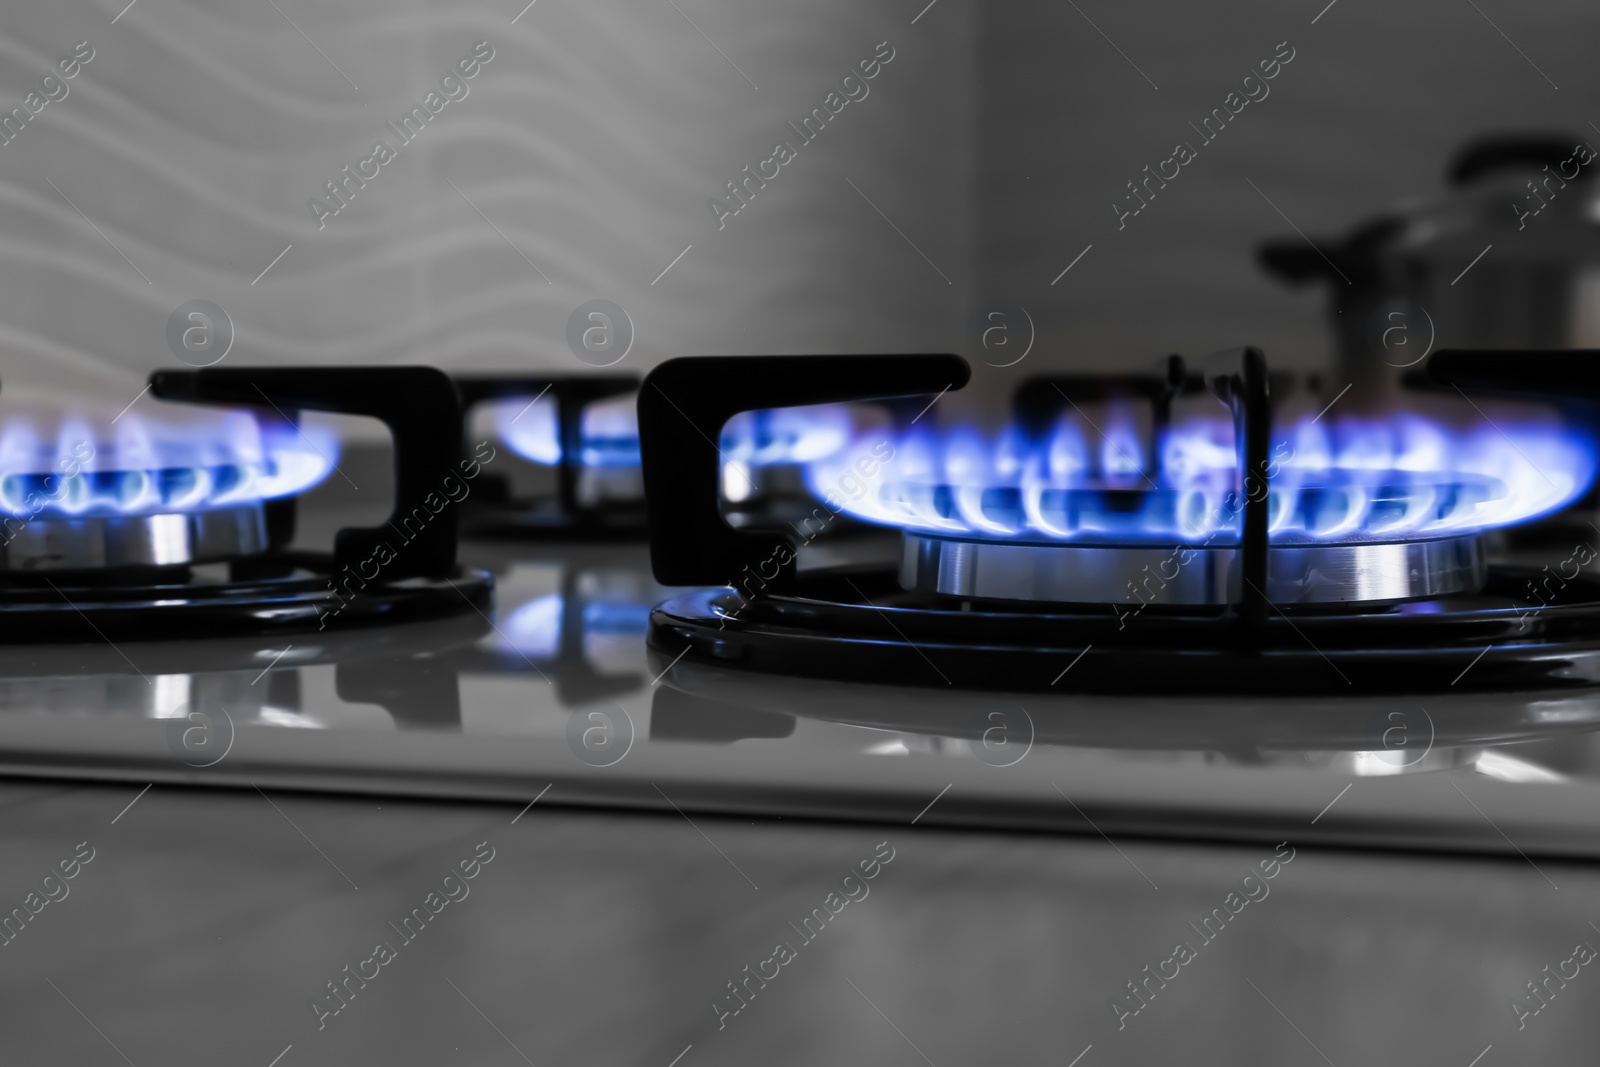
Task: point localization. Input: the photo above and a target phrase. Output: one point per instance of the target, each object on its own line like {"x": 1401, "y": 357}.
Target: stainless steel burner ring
{"x": 1109, "y": 574}
{"x": 93, "y": 542}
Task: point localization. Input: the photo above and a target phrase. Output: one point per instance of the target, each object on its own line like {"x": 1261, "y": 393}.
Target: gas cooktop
{"x": 1349, "y": 651}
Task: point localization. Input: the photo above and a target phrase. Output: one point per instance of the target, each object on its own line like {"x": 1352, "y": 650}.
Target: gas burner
{"x": 582, "y": 427}
{"x": 148, "y": 491}
{"x": 1003, "y": 586}
{"x": 198, "y": 526}
{"x": 1068, "y": 507}
{"x": 585, "y": 429}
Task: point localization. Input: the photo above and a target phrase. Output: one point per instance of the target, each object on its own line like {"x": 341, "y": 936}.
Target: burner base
{"x": 857, "y": 625}
{"x": 1137, "y": 576}
{"x": 278, "y": 593}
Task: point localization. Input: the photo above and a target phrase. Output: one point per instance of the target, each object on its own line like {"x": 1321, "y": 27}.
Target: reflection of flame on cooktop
{"x": 567, "y": 636}
{"x": 1508, "y": 739}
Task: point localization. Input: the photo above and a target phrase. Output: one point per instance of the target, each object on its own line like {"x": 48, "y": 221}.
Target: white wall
{"x": 995, "y": 141}
{"x": 593, "y": 140}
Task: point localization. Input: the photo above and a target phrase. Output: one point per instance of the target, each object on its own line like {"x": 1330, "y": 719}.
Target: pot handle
{"x": 1501, "y": 152}
{"x": 1294, "y": 261}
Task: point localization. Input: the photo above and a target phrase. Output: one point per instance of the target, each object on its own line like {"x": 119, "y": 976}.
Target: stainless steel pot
{"x": 1508, "y": 257}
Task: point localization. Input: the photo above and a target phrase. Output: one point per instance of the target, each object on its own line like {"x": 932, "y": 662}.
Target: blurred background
{"x": 984, "y": 161}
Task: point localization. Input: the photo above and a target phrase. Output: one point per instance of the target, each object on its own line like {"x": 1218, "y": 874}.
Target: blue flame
{"x": 1399, "y": 478}
{"x": 610, "y": 434}
{"x": 141, "y": 466}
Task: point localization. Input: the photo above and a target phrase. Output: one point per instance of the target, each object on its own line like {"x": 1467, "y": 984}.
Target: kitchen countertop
{"x": 1029, "y": 883}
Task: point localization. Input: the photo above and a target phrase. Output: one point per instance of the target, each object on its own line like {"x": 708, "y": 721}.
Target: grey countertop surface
{"x": 208, "y": 921}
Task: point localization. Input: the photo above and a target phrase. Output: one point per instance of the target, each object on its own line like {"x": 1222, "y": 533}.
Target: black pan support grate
{"x": 684, "y": 403}
{"x": 830, "y": 623}
{"x": 417, "y": 404}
